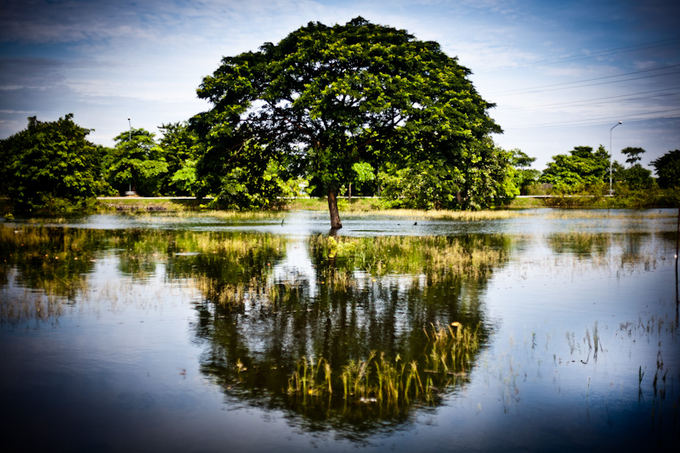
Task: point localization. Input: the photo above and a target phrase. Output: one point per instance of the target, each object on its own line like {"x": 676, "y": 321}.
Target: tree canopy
{"x": 326, "y": 98}
{"x": 633, "y": 154}
{"x": 137, "y": 163}
{"x": 525, "y": 176}
{"x": 181, "y": 149}
{"x": 667, "y": 169}
{"x": 49, "y": 166}
{"x": 579, "y": 170}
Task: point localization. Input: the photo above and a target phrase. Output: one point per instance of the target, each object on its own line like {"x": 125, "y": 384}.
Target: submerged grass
{"x": 443, "y": 214}
{"x": 58, "y": 260}
{"x": 391, "y": 382}
{"x": 435, "y": 256}
{"x": 136, "y": 204}
{"x": 605, "y": 214}
{"x": 375, "y": 206}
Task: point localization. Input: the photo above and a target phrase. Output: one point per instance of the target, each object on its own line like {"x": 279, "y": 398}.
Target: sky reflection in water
{"x": 154, "y": 332}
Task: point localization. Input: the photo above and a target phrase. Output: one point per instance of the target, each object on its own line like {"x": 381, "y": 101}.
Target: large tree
{"x": 49, "y": 166}
{"x": 633, "y": 154}
{"x": 327, "y": 98}
{"x": 667, "y": 169}
{"x": 524, "y": 175}
{"x": 581, "y": 169}
{"x": 137, "y": 163}
{"x": 181, "y": 149}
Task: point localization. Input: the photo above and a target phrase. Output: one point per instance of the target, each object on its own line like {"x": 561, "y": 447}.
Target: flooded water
{"x": 543, "y": 330}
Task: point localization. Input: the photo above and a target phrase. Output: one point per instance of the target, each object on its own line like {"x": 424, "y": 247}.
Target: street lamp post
{"x": 611, "y": 156}
{"x": 130, "y": 192}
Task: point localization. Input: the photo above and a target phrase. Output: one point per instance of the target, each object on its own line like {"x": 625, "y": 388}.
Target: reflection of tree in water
{"x": 357, "y": 301}
{"x": 52, "y": 260}
{"x": 57, "y": 260}
{"x": 627, "y": 249}
{"x": 583, "y": 245}
{"x": 139, "y": 251}
{"x": 221, "y": 255}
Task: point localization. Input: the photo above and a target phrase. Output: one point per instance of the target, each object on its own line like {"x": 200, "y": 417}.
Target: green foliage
{"x": 181, "y": 150}
{"x": 634, "y": 178}
{"x": 137, "y": 162}
{"x": 667, "y": 169}
{"x": 525, "y": 177}
{"x": 184, "y": 180}
{"x": 326, "y": 98}
{"x": 364, "y": 178}
{"x": 254, "y": 183}
{"x": 364, "y": 172}
{"x": 580, "y": 170}
{"x": 423, "y": 185}
{"x": 624, "y": 198}
{"x": 50, "y": 167}
{"x": 633, "y": 154}
{"x": 482, "y": 177}
{"x": 102, "y": 186}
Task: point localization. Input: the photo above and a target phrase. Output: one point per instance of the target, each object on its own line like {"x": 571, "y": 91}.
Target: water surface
{"x": 197, "y": 334}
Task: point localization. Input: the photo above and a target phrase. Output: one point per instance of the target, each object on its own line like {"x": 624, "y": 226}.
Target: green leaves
{"x": 181, "y": 150}
{"x": 667, "y": 168}
{"x": 633, "y": 154}
{"x": 49, "y": 163}
{"x": 326, "y": 98}
{"x": 581, "y": 170}
{"x": 137, "y": 162}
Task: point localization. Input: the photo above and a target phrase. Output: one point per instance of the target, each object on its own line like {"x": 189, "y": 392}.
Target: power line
{"x": 566, "y": 85}
{"x": 603, "y": 82}
{"x": 611, "y": 51}
{"x": 674, "y": 112}
{"x": 622, "y": 97}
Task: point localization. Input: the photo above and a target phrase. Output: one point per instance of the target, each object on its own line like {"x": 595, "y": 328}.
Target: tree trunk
{"x": 333, "y": 209}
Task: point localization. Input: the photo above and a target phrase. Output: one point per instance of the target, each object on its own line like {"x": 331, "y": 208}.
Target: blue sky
{"x": 560, "y": 73}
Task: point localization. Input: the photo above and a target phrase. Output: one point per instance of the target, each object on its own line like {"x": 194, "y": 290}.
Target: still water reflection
{"x": 194, "y": 334}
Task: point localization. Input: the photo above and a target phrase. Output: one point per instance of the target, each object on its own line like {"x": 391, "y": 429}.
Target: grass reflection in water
{"x": 381, "y": 326}
{"x": 358, "y": 335}
{"x": 391, "y": 383}
{"x": 371, "y": 324}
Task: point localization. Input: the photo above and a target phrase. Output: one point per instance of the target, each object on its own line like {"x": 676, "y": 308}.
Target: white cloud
{"x": 146, "y": 62}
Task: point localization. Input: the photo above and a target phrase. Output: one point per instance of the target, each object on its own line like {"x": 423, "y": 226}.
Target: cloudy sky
{"x": 561, "y": 73}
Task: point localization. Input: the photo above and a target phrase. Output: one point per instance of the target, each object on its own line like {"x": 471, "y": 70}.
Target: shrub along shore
{"x": 656, "y": 198}
{"x": 631, "y": 200}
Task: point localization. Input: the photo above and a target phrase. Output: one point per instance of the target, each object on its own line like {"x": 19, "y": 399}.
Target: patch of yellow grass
{"x": 602, "y": 214}
{"x": 436, "y": 256}
{"x": 443, "y": 214}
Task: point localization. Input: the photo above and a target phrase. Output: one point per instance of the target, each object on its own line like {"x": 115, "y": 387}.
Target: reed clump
{"x": 311, "y": 378}
{"x": 580, "y": 243}
{"x": 452, "y": 349}
{"x": 391, "y": 382}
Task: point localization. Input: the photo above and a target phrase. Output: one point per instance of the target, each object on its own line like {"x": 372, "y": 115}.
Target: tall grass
{"x": 391, "y": 382}
{"x": 435, "y": 256}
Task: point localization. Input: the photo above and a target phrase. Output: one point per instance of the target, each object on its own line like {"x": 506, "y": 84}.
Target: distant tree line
{"x": 354, "y": 109}
{"x": 52, "y": 167}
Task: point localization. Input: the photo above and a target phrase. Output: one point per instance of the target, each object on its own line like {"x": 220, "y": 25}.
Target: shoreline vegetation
{"x": 648, "y": 199}
{"x": 360, "y": 206}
